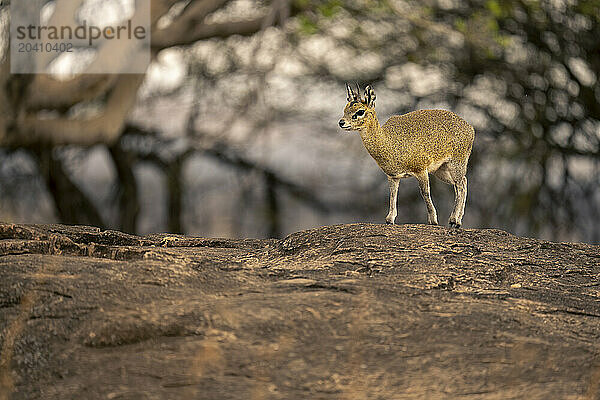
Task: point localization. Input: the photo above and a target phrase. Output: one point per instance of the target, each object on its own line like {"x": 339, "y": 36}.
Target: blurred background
{"x": 233, "y": 129}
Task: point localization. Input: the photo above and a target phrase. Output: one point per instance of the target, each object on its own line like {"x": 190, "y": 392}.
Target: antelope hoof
{"x": 454, "y": 225}
{"x": 433, "y": 221}
{"x": 389, "y": 221}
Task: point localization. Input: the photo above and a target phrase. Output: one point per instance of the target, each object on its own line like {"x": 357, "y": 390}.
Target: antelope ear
{"x": 351, "y": 95}
{"x": 370, "y": 96}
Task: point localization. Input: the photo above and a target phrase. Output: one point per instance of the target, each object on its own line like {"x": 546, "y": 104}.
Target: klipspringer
{"x": 418, "y": 143}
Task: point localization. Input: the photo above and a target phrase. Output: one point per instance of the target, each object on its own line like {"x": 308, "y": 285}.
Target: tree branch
{"x": 105, "y": 128}
{"x": 164, "y": 39}
{"x": 221, "y": 152}
{"x": 46, "y": 92}
{"x": 194, "y": 13}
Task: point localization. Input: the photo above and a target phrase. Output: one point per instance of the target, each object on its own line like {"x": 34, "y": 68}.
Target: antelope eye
{"x": 359, "y": 113}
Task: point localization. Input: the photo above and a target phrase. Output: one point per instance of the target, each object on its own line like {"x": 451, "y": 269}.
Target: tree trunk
{"x": 72, "y": 205}
{"x": 174, "y": 195}
{"x": 272, "y": 203}
{"x": 129, "y": 206}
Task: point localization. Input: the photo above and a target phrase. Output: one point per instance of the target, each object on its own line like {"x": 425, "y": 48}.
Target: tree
{"x": 27, "y": 100}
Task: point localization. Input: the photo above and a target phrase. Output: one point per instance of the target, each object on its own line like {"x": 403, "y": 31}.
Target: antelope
{"x": 417, "y": 144}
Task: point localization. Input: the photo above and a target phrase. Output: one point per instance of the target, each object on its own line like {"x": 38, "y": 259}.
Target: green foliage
{"x": 330, "y": 8}
{"x": 461, "y": 25}
{"x": 590, "y": 8}
{"x": 494, "y": 7}
{"x": 499, "y": 9}
{"x": 307, "y": 25}
{"x": 313, "y": 12}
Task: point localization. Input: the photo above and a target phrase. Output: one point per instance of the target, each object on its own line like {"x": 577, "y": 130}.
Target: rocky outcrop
{"x": 339, "y": 312}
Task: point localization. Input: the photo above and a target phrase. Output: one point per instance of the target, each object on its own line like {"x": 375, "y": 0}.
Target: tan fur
{"x": 414, "y": 144}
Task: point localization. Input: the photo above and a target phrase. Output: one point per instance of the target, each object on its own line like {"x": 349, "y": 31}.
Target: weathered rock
{"x": 344, "y": 312}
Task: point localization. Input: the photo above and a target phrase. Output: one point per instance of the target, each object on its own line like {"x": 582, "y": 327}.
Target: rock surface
{"x": 340, "y": 312}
